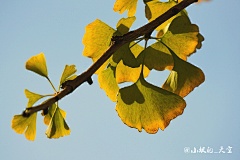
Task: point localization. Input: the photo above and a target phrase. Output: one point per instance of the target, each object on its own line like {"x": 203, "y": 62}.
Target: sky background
{"x": 56, "y": 27}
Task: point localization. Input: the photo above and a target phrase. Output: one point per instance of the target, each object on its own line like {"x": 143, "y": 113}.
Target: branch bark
{"x": 117, "y": 42}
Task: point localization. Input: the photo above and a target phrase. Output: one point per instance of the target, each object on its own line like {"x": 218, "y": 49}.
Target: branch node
{"x": 24, "y": 114}
{"x": 89, "y": 80}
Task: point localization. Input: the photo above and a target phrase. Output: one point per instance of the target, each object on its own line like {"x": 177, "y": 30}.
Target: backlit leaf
{"x": 157, "y": 57}
{"x": 107, "y": 81}
{"x": 37, "y": 64}
{"x": 51, "y": 111}
{"x": 122, "y": 5}
{"x": 183, "y": 78}
{"x": 182, "y": 37}
{"x": 20, "y": 123}
{"x": 68, "y": 71}
{"x": 155, "y": 8}
{"x": 125, "y": 24}
{"x": 97, "y": 39}
{"x": 57, "y": 126}
{"x": 33, "y": 97}
{"x": 146, "y": 106}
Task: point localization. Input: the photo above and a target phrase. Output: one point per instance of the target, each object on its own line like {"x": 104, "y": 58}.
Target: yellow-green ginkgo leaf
{"x": 154, "y": 9}
{"x": 68, "y": 71}
{"x": 57, "y": 126}
{"x": 182, "y": 37}
{"x": 122, "y": 5}
{"x": 37, "y": 64}
{"x": 107, "y": 81}
{"x": 183, "y": 78}
{"x": 125, "y": 24}
{"x": 20, "y": 123}
{"x": 196, "y": 2}
{"x": 127, "y": 74}
{"x": 143, "y": 105}
{"x": 158, "y": 57}
{"x": 97, "y": 39}
{"x": 51, "y": 111}
{"x": 33, "y": 97}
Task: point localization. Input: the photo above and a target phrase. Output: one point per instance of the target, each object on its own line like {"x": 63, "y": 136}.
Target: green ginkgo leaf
{"x": 143, "y": 105}
{"x": 182, "y": 37}
{"x": 155, "y": 8}
{"x": 38, "y": 65}
{"x": 183, "y": 78}
{"x": 57, "y": 126}
{"x": 107, "y": 81}
{"x": 122, "y": 5}
{"x": 68, "y": 71}
{"x": 20, "y": 123}
{"x": 33, "y": 97}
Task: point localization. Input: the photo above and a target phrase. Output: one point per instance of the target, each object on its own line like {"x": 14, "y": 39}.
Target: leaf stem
{"x": 51, "y": 85}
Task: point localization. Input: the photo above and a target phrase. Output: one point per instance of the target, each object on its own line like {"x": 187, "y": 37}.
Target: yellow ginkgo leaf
{"x": 125, "y": 24}
{"x": 183, "y": 78}
{"x": 146, "y": 106}
{"x": 37, "y": 64}
{"x": 33, "y": 97}
{"x": 57, "y": 126}
{"x": 158, "y": 57}
{"x": 20, "y": 123}
{"x": 182, "y": 37}
{"x": 49, "y": 115}
{"x": 154, "y": 9}
{"x": 107, "y": 81}
{"x": 122, "y": 5}
{"x": 127, "y": 74}
{"x": 68, "y": 71}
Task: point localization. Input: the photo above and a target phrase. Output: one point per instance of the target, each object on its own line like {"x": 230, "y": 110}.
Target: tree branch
{"x": 116, "y": 43}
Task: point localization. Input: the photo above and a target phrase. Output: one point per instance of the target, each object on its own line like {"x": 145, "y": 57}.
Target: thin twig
{"x": 117, "y": 42}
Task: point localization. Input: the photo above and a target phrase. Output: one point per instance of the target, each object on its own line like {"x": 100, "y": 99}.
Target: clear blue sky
{"x": 56, "y": 27}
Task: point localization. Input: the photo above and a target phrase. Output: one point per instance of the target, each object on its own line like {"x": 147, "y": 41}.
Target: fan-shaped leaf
{"x": 68, "y": 71}
{"x": 20, "y": 123}
{"x": 107, "y": 81}
{"x": 51, "y": 111}
{"x": 146, "y": 106}
{"x": 57, "y": 126}
{"x": 182, "y": 37}
{"x": 155, "y": 8}
{"x": 183, "y": 78}
{"x": 33, "y": 97}
{"x": 37, "y": 64}
{"x": 122, "y": 5}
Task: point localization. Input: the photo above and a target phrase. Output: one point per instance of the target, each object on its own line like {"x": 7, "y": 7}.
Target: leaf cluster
{"x": 141, "y": 105}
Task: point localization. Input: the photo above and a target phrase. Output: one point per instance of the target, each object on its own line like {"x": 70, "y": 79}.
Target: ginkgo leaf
{"x": 20, "y": 123}
{"x": 122, "y": 5}
{"x": 182, "y": 37}
{"x": 183, "y": 78}
{"x": 95, "y": 47}
{"x": 107, "y": 81}
{"x": 155, "y": 8}
{"x": 143, "y": 105}
{"x": 127, "y": 74}
{"x": 47, "y": 118}
{"x": 68, "y": 71}
{"x": 157, "y": 57}
{"x": 37, "y": 64}
{"x": 57, "y": 126}
{"x": 125, "y": 24}
{"x": 128, "y": 67}
{"x": 33, "y": 97}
